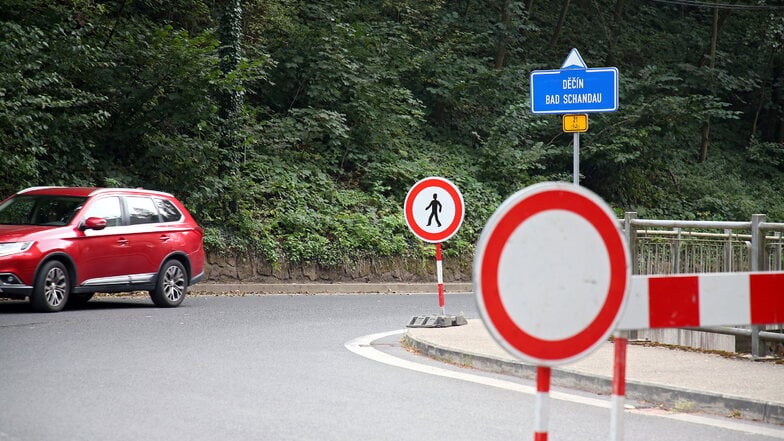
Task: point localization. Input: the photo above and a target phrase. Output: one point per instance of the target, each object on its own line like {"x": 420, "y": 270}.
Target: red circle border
{"x": 454, "y": 193}
{"x": 552, "y": 351}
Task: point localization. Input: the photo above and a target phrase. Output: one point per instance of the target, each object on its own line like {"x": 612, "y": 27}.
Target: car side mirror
{"x": 93, "y": 223}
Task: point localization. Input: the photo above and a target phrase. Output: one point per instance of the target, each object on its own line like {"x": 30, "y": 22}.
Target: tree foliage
{"x": 294, "y": 128}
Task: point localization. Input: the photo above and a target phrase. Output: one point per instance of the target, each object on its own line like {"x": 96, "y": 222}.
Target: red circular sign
{"x": 551, "y": 273}
{"x": 434, "y": 209}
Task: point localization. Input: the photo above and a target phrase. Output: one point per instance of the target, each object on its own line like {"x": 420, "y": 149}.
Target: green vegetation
{"x": 294, "y": 128}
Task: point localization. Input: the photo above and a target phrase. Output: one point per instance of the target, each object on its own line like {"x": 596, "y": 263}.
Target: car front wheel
{"x": 171, "y": 286}
{"x": 51, "y": 289}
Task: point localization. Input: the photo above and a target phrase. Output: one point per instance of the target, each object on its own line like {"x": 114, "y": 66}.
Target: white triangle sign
{"x": 574, "y": 61}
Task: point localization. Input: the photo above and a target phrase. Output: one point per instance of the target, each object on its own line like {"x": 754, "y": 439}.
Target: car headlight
{"x": 8, "y": 248}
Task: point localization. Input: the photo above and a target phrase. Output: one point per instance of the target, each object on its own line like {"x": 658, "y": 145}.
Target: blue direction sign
{"x": 574, "y": 88}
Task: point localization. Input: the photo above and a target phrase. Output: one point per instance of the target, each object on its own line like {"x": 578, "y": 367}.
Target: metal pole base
{"x": 436, "y": 321}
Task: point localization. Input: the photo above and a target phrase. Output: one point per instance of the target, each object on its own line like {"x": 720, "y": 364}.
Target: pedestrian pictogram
{"x": 434, "y": 209}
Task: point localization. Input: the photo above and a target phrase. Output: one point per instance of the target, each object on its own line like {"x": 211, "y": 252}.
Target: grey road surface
{"x": 262, "y": 368}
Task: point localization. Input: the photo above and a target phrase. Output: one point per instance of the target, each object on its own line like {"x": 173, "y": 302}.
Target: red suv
{"x": 60, "y": 245}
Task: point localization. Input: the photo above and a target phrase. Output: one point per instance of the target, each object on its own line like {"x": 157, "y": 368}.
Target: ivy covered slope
{"x": 293, "y": 129}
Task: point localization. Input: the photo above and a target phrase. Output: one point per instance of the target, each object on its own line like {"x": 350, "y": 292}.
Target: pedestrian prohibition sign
{"x": 434, "y": 209}
{"x": 551, "y": 272}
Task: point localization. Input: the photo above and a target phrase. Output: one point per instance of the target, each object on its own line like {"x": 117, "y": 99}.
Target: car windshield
{"x": 46, "y": 210}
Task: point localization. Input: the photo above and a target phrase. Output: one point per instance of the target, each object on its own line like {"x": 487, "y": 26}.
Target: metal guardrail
{"x": 678, "y": 246}
{"x": 742, "y": 332}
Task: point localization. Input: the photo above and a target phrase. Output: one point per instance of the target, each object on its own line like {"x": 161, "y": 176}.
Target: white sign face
{"x": 551, "y": 272}
{"x": 586, "y": 271}
{"x": 434, "y": 209}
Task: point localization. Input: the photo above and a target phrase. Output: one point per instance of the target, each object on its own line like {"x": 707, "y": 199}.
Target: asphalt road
{"x": 265, "y": 368}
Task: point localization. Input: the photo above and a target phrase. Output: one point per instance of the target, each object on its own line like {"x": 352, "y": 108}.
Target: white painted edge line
{"x": 728, "y": 424}
{"x": 363, "y": 346}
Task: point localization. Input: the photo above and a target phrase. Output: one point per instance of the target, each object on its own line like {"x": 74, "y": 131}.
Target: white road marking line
{"x": 363, "y": 346}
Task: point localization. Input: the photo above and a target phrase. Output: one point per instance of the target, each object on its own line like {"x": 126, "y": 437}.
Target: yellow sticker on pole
{"x": 575, "y": 123}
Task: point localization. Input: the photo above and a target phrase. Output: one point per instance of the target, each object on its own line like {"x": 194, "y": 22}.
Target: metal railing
{"x": 673, "y": 247}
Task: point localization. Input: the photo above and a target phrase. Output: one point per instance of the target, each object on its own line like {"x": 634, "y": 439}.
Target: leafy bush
{"x": 338, "y": 108}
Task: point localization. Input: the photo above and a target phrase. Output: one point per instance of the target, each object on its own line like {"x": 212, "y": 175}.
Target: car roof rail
{"x": 42, "y": 187}
{"x": 138, "y": 190}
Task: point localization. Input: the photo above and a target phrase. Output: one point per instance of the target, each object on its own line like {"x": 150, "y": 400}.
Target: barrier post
{"x": 618, "y": 386}
{"x": 542, "y": 404}
{"x": 758, "y": 263}
{"x": 440, "y": 278}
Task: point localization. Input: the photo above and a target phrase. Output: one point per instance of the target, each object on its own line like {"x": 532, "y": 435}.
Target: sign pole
{"x": 542, "y": 403}
{"x": 618, "y": 386}
{"x": 434, "y": 211}
{"x": 440, "y": 278}
{"x": 575, "y": 124}
{"x": 576, "y": 168}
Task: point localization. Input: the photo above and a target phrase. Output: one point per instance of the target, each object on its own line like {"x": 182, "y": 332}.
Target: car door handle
{"x": 164, "y": 238}
{"x": 122, "y": 241}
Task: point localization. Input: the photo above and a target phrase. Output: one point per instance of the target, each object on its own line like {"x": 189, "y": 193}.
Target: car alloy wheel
{"x": 172, "y": 284}
{"x": 55, "y": 285}
{"x": 52, "y": 288}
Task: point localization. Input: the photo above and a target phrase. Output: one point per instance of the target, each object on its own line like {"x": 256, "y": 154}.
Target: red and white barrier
{"x": 698, "y": 300}
{"x": 692, "y": 301}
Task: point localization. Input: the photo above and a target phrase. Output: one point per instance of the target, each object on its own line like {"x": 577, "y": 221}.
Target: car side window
{"x": 142, "y": 210}
{"x": 56, "y": 210}
{"x": 108, "y": 208}
{"x": 168, "y": 210}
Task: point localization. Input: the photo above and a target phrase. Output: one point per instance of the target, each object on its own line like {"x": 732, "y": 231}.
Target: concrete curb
{"x": 668, "y": 397}
{"x": 327, "y": 288}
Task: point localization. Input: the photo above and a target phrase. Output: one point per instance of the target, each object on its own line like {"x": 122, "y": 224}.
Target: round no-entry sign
{"x": 434, "y": 209}
{"x": 551, "y": 272}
